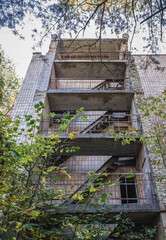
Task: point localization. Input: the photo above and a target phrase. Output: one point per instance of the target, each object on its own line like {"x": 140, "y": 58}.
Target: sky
{"x": 20, "y": 50}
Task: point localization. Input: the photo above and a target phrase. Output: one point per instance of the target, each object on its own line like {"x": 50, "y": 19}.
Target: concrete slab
{"x": 91, "y": 45}
{"x": 139, "y": 213}
{"x": 97, "y": 100}
{"x": 89, "y": 69}
{"x": 101, "y": 144}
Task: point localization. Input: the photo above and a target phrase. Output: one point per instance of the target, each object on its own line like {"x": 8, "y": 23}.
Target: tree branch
{"x": 162, "y": 9}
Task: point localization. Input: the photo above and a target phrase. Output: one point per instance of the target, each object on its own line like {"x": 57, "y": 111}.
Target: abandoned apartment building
{"x": 106, "y": 82}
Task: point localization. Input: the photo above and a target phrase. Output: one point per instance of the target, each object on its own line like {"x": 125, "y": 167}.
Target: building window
{"x": 128, "y": 190}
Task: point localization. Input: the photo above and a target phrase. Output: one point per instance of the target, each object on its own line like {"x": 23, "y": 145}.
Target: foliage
{"x": 30, "y": 206}
{"x": 74, "y": 16}
{"x": 151, "y": 107}
{"x": 24, "y": 170}
{"x": 93, "y": 227}
{"x": 154, "y": 105}
{"x": 9, "y": 84}
{"x": 155, "y": 108}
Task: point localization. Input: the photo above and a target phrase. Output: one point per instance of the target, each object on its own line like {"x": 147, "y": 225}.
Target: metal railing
{"x": 118, "y": 55}
{"x": 86, "y": 84}
{"x": 120, "y": 188}
{"x": 91, "y": 123}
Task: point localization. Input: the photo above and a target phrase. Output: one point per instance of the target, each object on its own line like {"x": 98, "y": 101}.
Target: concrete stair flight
{"x": 106, "y": 84}
{"x": 88, "y": 183}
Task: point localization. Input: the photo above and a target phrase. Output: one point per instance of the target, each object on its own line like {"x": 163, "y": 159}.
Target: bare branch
{"x": 162, "y": 9}
{"x": 135, "y": 25}
{"x": 86, "y": 24}
{"x": 61, "y": 17}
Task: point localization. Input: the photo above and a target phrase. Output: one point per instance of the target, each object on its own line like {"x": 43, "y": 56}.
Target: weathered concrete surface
{"x": 139, "y": 213}
{"x": 101, "y": 144}
{"x": 91, "y": 45}
{"x": 60, "y": 100}
{"x": 89, "y": 69}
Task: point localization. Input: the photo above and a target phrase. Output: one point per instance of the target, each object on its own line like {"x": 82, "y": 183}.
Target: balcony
{"x": 95, "y": 132}
{"x": 132, "y": 193}
{"x": 95, "y": 100}
{"x": 92, "y": 49}
{"x": 95, "y": 122}
{"x": 92, "y": 55}
{"x": 90, "y": 69}
{"x": 87, "y": 84}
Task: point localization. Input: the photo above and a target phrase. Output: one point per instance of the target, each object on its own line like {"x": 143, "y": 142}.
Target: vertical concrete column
{"x": 160, "y": 222}
{"x": 35, "y": 85}
{"x": 124, "y": 47}
{"x": 45, "y": 74}
{"x": 133, "y": 77}
{"x": 24, "y": 103}
{"x": 44, "y": 78}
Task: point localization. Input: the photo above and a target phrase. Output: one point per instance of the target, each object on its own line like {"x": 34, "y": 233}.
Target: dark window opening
{"x": 128, "y": 190}
{"x": 60, "y": 114}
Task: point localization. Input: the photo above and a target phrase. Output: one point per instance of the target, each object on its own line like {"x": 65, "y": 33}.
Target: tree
{"x": 74, "y": 16}
{"x": 9, "y": 84}
{"x": 25, "y": 170}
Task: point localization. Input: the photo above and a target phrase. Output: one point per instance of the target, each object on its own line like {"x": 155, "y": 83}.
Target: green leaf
{"x": 103, "y": 197}
{"x": 52, "y": 114}
{"x": 34, "y": 213}
{"x": 130, "y": 176}
{"x": 38, "y": 128}
{"x": 37, "y": 105}
{"x": 14, "y": 154}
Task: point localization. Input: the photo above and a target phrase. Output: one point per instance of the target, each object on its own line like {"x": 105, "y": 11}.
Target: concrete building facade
{"x": 106, "y": 81}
